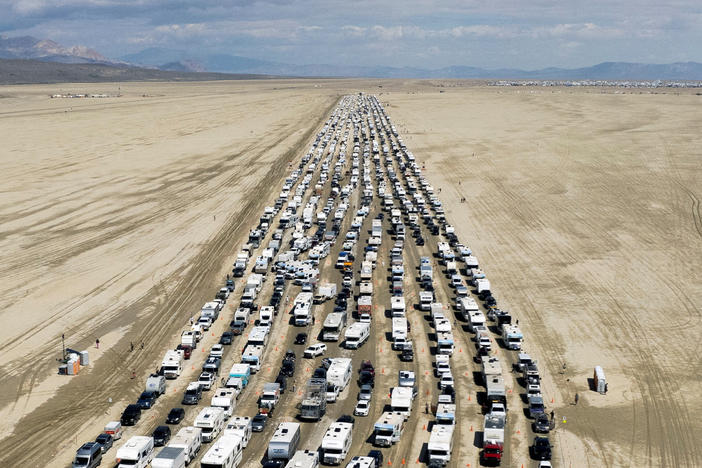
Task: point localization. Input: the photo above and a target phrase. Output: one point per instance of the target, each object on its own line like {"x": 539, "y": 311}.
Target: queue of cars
{"x": 406, "y": 199}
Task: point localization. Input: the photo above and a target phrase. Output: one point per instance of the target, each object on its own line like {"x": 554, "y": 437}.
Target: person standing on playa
{"x": 577, "y": 397}
{"x": 97, "y": 343}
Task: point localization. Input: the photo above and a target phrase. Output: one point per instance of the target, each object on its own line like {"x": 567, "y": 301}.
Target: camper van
{"x": 252, "y": 356}
{"x": 169, "y": 457}
{"x": 339, "y": 372}
{"x": 304, "y": 459}
{"x": 333, "y": 324}
{"x": 225, "y": 453}
{"x": 240, "y": 425}
{"x": 440, "y": 444}
{"x": 190, "y": 440}
{"x": 211, "y": 421}
{"x": 336, "y": 442}
{"x": 284, "y": 441}
{"x": 388, "y": 428}
{"x": 356, "y": 335}
{"x": 225, "y": 398}
{"x": 136, "y": 452}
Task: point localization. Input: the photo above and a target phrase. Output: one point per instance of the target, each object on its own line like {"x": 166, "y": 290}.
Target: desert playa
{"x": 119, "y": 214}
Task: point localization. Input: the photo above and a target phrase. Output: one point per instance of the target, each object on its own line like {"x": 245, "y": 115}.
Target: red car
{"x": 368, "y": 366}
{"x": 187, "y": 350}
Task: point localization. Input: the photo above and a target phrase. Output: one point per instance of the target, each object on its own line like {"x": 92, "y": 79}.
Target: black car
{"x": 320, "y": 373}
{"x": 541, "y": 449}
{"x": 346, "y": 418}
{"x": 275, "y": 301}
{"x": 175, "y": 416}
{"x": 161, "y": 436}
{"x": 288, "y": 368}
{"x": 301, "y": 338}
{"x": 419, "y": 240}
{"x": 542, "y": 423}
{"x": 273, "y": 464}
{"x": 366, "y": 377}
{"x": 289, "y": 356}
{"x": 131, "y": 415}
{"x": 282, "y": 381}
{"x": 407, "y": 355}
{"x": 146, "y": 400}
{"x": 227, "y": 338}
{"x": 105, "y": 442}
{"x": 258, "y": 423}
{"x": 377, "y": 455}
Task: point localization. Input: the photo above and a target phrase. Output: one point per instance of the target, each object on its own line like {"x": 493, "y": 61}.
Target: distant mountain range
{"x": 28, "y": 47}
{"x": 45, "y": 50}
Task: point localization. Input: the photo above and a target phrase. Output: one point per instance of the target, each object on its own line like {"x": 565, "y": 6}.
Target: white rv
{"x": 241, "y": 426}
{"x": 356, "y": 335}
{"x": 211, "y": 421}
{"x": 304, "y": 459}
{"x": 284, "y": 441}
{"x": 169, "y": 457}
{"x": 225, "y": 398}
{"x": 189, "y": 439}
{"x": 441, "y": 443}
{"x": 333, "y": 324}
{"x": 172, "y": 364}
{"x": 340, "y": 371}
{"x": 401, "y": 400}
{"x": 397, "y": 306}
{"x": 225, "y": 453}
{"x": 399, "y": 332}
{"x": 388, "y": 428}
{"x": 136, "y": 452}
{"x": 336, "y": 442}
{"x": 252, "y": 356}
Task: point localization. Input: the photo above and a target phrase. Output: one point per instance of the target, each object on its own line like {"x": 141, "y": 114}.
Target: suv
{"x": 161, "y": 436}
{"x": 206, "y": 380}
{"x": 541, "y": 448}
{"x": 105, "y": 440}
{"x": 146, "y": 400}
{"x": 89, "y": 455}
{"x": 131, "y": 415}
{"x": 193, "y": 394}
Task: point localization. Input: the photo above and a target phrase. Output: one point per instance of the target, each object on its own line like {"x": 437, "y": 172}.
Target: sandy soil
{"x": 584, "y": 209}
{"x": 119, "y": 218}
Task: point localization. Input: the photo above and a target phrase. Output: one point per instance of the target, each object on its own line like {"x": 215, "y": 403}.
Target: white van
{"x": 137, "y": 452}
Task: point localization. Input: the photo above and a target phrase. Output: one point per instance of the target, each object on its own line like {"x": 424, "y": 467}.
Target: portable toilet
{"x": 73, "y": 365}
{"x": 600, "y": 381}
{"x": 84, "y": 359}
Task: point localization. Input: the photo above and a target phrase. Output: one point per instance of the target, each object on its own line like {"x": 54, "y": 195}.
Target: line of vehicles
{"x": 228, "y": 434}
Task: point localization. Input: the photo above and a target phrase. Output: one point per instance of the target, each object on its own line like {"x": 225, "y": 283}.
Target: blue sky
{"x": 525, "y": 34}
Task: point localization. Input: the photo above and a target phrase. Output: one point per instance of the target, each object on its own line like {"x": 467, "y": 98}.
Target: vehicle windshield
{"x": 126, "y": 462}
{"x": 81, "y": 461}
{"x": 332, "y": 451}
{"x": 384, "y": 432}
